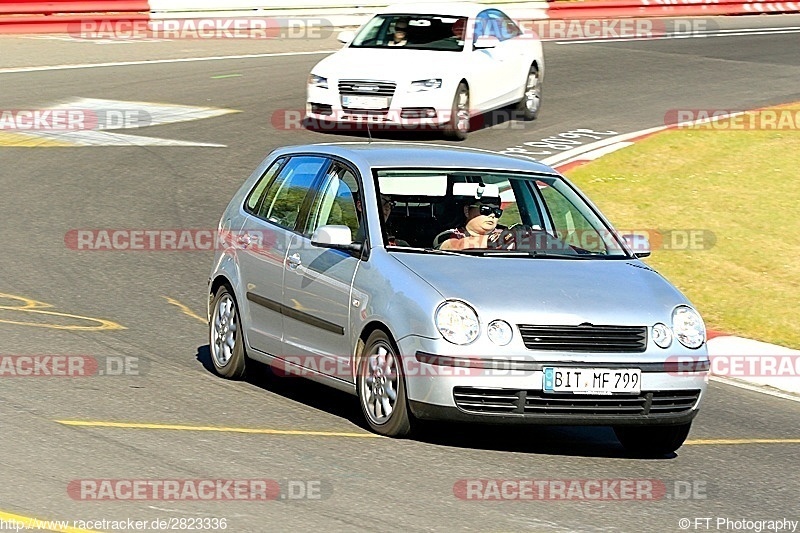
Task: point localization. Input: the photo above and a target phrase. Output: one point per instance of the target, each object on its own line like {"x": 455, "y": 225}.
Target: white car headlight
{"x": 688, "y": 327}
{"x": 317, "y": 81}
{"x": 425, "y": 85}
{"x": 499, "y": 332}
{"x": 457, "y": 322}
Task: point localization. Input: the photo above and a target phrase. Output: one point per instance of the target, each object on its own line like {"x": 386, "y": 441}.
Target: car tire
{"x": 528, "y": 107}
{"x": 225, "y": 337}
{"x": 457, "y": 127}
{"x": 652, "y": 441}
{"x": 381, "y": 387}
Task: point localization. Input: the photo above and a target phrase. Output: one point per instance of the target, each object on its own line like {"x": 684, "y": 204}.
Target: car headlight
{"x": 499, "y": 332}
{"x": 662, "y": 335}
{"x": 425, "y": 85}
{"x": 688, "y": 327}
{"x": 317, "y": 81}
{"x": 457, "y": 322}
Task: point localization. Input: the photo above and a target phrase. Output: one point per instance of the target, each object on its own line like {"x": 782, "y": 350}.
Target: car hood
{"x": 551, "y": 291}
{"x": 386, "y": 64}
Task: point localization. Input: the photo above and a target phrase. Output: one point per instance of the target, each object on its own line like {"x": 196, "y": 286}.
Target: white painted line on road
{"x": 15, "y": 70}
{"x": 98, "y": 116}
{"x": 763, "y": 389}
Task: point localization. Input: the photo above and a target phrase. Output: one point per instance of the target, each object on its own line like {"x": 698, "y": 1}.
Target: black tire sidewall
{"x": 452, "y": 131}
{"x": 235, "y": 368}
{"x": 399, "y": 423}
{"x": 521, "y": 107}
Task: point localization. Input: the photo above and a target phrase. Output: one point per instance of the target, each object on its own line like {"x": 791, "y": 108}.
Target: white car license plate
{"x": 592, "y": 380}
{"x": 365, "y": 102}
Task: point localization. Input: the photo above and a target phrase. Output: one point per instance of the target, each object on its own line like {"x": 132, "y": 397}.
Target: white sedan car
{"x": 429, "y": 65}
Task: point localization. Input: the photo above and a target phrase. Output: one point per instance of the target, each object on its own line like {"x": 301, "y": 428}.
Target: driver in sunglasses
{"x": 480, "y": 229}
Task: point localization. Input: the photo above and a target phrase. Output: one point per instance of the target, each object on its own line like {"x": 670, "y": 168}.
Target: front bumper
{"x": 441, "y": 387}
{"x": 431, "y": 108}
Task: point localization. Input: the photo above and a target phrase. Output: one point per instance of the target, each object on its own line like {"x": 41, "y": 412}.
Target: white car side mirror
{"x": 486, "y": 41}
{"x": 345, "y": 36}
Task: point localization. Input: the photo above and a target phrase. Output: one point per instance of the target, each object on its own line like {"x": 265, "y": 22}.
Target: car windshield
{"x": 426, "y": 32}
{"x": 491, "y": 213}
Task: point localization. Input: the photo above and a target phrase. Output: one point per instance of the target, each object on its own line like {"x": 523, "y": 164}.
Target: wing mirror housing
{"x": 638, "y": 243}
{"x": 345, "y": 36}
{"x": 485, "y": 42}
{"x": 335, "y": 236}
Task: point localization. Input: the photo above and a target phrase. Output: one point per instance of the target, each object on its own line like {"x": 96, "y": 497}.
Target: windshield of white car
{"x": 418, "y": 32}
{"x": 491, "y": 213}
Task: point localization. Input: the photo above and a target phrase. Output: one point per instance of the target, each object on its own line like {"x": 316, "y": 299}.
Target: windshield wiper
{"x": 425, "y": 250}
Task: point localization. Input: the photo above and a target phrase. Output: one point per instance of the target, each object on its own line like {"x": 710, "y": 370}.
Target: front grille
{"x": 673, "y": 401}
{"x": 585, "y": 338}
{"x": 540, "y": 404}
{"x": 362, "y": 88}
{"x": 367, "y": 88}
{"x": 486, "y": 400}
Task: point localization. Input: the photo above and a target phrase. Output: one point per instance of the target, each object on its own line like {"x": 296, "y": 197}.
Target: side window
{"x": 569, "y": 223}
{"x": 286, "y": 193}
{"x": 482, "y": 26}
{"x": 335, "y": 202}
{"x": 257, "y": 194}
{"x": 501, "y": 26}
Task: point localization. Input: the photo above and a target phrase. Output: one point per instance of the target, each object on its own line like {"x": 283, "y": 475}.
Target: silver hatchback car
{"x": 451, "y": 283}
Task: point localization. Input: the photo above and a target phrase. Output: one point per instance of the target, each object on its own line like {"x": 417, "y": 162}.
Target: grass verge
{"x": 737, "y": 187}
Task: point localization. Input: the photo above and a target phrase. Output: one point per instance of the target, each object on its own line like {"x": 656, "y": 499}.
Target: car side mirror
{"x": 638, "y": 243}
{"x": 486, "y": 41}
{"x": 345, "y": 36}
{"x": 334, "y": 236}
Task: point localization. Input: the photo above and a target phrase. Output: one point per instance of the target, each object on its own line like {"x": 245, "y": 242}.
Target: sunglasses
{"x": 487, "y": 210}
{"x": 390, "y": 203}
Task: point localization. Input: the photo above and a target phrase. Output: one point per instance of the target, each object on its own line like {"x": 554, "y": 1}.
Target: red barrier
{"x": 664, "y": 8}
{"x": 60, "y": 16}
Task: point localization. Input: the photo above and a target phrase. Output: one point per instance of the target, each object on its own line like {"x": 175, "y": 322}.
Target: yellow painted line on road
{"x": 34, "y": 307}
{"x": 175, "y": 427}
{"x": 25, "y": 522}
{"x": 185, "y": 309}
{"x": 728, "y": 442}
{"x": 18, "y": 140}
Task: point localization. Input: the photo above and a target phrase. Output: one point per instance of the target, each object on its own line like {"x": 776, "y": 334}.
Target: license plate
{"x": 365, "y": 102}
{"x": 601, "y": 381}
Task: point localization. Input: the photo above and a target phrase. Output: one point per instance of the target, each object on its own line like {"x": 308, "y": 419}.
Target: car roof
{"x": 410, "y": 154}
{"x": 464, "y": 9}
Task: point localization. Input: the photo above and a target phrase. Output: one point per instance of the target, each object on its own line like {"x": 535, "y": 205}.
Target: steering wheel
{"x": 518, "y": 235}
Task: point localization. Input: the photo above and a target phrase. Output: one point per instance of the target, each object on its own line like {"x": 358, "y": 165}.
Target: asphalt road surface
{"x": 135, "y": 318}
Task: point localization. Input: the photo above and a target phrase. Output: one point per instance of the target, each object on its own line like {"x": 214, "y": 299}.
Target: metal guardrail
{"x": 61, "y": 16}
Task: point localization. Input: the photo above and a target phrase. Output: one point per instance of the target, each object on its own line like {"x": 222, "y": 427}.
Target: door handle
{"x": 244, "y": 240}
{"x": 293, "y": 261}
